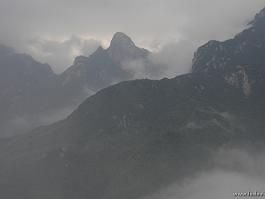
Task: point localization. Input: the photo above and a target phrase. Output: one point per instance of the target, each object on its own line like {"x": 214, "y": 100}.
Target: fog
{"x": 235, "y": 171}
{"x": 25, "y": 123}
{"x": 61, "y": 53}
{"x": 172, "y": 59}
{"x": 175, "y": 56}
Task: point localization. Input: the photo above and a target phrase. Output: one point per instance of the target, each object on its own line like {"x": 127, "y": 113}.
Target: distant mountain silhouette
{"x": 32, "y": 95}
{"x": 104, "y": 67}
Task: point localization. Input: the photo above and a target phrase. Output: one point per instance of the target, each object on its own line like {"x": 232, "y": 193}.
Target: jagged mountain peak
{"x": 122, "y": 48}
{"x": 120, "y": 38}
{"x": 84, "y": 59}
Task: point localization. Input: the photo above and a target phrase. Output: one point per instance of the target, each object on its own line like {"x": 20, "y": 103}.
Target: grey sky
{"x": 55, "y": 31}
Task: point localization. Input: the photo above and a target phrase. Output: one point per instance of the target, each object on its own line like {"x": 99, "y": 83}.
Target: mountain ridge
{"x": 61, "y": 92}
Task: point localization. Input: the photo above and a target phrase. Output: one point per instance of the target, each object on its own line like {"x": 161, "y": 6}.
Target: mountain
{"x": 243, "y": 52}
{"x": 32, "y": 95}
{"x": 104, "y": 67}
{"x": 115, "y": 142}
{"x": 25, "y": 88}
{"x": 123, "y": 49}
{"x": 137, "y": 137}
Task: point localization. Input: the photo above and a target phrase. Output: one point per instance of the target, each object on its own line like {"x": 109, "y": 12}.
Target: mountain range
{"x": 136, "y": 137}
{"x": 31, "y": 94}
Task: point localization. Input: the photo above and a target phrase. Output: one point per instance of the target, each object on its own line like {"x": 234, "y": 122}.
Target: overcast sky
{"x": 55, "y": 31}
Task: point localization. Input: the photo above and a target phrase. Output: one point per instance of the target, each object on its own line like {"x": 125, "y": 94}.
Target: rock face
{"x": 241, "y": 55}
{"x": 238, "y": 61}
{"x": 245, "y": 49}
{"x": 134, "y": 138}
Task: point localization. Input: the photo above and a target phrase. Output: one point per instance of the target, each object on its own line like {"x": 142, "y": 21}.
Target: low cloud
{"x": 175, "y": 56}
{"x": 24, "y": 123}
{"x": 61, "y": 53}
{"x": 169, "y": 60}
{"x": 217, "y": 184}
{"x": 236, "y": 171}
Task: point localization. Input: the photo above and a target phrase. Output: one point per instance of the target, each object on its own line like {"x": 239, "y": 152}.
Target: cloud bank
{"x": 236, "y": 171}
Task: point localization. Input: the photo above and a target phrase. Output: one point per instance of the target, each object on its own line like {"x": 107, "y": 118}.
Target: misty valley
{"x": 113, "y": 125}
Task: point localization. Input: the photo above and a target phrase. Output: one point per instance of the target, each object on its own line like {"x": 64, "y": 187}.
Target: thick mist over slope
{"x": 234, "y": 171}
